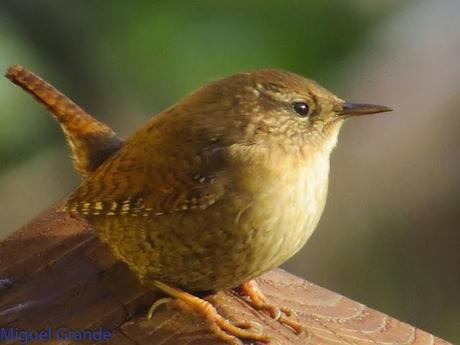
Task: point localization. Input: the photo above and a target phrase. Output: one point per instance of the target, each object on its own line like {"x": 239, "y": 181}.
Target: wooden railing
{"x": 54, "y": 272}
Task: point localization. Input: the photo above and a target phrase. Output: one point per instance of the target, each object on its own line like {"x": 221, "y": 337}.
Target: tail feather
{"x": 90, "y": 140}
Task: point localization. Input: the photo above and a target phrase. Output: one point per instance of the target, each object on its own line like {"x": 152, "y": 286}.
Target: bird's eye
{"x": 301, "y": 108}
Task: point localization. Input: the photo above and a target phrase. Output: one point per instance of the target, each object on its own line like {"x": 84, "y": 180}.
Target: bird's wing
{"x": 151, "y": 183}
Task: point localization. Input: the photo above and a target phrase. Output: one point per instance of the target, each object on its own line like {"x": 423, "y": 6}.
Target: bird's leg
{"x": 224, "y": 329}
{"x": 258, "y": 300}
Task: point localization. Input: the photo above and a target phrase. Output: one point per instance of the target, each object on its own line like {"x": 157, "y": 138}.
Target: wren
{"x": 212, "y": 192}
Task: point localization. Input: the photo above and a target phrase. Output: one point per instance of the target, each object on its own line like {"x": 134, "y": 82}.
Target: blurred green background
{"x": 390, "y": 234}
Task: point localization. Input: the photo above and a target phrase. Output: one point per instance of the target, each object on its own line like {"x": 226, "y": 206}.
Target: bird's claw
{"x": 257, "y": 299}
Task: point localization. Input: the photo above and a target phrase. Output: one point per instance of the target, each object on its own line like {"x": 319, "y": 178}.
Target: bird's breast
{"x": 286, "y": 209}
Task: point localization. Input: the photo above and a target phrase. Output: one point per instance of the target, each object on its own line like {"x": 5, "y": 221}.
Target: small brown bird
{"x": 212, "y": 192}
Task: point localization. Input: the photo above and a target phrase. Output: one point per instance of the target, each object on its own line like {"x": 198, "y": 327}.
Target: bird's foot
{"x": 224, "y": 329}
{"x": 258, "y": 300}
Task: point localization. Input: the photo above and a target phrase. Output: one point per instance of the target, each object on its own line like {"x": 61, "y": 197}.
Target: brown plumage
{"x": 223, "y": 186}
{"x": 181, "y": 201}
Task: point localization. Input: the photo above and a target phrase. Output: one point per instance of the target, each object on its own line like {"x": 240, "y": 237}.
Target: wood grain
{"x": 55, "y": 272}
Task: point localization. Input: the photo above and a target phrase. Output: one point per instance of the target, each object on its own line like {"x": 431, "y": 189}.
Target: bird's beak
{"x": 357, "y": 109}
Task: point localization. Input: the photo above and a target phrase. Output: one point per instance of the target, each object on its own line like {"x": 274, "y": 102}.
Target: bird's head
{"x": 269, "y": 108}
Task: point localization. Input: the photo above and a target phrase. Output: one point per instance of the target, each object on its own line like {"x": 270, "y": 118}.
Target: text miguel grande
{"x": 26, "y": 336}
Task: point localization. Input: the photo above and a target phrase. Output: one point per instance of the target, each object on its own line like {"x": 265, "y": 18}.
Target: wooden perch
{"x": 55, "y": 272}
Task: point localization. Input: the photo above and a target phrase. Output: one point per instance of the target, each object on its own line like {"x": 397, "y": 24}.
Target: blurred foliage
{"x": 124, "y": 61}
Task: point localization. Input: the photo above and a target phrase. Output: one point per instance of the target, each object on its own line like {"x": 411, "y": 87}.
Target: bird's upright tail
{"x": 90, "y": 140}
